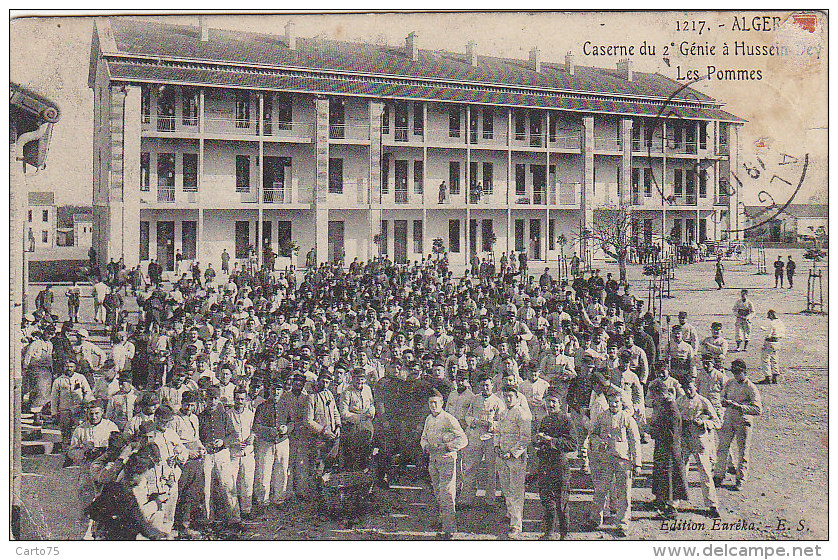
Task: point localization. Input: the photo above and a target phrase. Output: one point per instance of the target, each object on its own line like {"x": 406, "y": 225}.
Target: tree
{"x": 610, "y": 229}
{"x": 438, "y": 247}
{"x": 561, "y": 240}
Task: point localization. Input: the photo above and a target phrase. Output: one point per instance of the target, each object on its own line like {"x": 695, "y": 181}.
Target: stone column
{"x": 376, "y": 108}
{"x": 321, "y": 179}
{"x": 587, "y": 211}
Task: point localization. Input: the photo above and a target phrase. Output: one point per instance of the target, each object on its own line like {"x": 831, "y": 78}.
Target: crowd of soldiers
{"x": 226, "y": 399}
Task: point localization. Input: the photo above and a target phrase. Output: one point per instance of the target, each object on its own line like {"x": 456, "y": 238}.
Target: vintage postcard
{"x": 420, "y": 276}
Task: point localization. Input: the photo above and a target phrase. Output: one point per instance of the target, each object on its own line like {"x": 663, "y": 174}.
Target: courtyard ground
{"x": 786, "y": 497}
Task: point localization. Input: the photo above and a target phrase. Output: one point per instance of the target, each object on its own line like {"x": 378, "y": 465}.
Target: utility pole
{"x": 31, "y": 118}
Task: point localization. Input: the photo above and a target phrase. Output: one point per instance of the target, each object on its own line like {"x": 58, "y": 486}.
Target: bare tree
{"x": 610, "y": 228}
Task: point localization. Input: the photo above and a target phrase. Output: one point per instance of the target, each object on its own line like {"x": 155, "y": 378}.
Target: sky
{"x": 786, "y": 109}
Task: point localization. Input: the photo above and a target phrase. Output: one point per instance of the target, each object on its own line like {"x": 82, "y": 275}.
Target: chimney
{"x": 411, "y": 46}
{"x": 624, "y": 67}
{"x": 535, "y": 59}
{"x": 202, "y": 23}
{"x": 290, "y": 37}
{"x": 471, "y": 52}
{"x": 568, "y": 62}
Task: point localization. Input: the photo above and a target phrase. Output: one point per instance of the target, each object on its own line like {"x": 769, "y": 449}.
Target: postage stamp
{"x": 420, "y": 275}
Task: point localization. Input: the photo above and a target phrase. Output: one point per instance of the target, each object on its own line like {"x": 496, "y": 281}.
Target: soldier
{"x": 511, "y": 438}
{"x": 742, "y": 401}
{"x": 481, "y": 415}
{"x": 615, "y": 436}
{"x": 442, "y": 437}
{"x": 553, "y": 440}
{"x": 698, "y": 422}
{"x": 357, "y": 411}
{"x": 743, "y": 309}
{"x": 272, "y": 426}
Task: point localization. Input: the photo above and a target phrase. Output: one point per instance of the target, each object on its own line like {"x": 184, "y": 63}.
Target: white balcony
{"x": 605, "y": 194}
{"x": 350, "y": 130}
{"x": 566, "y": 194}
{"x": 165, "y": 194}
{"x": 169, "y": 124}
{"x": 681, "y": 148}
{"x": 354, "y": 192}
{"x": 608, "y": 144}
{"x": 289, "y": 130}
{"x": 527, "y": 140}
{"x": 566, "y": 142}
{"x": 281, "y": 193}
{"x": 444, "y": 136}
{"x": 229, "y": 125}
{"x": 654, "y": 144}
{"x": 494, "y": 139}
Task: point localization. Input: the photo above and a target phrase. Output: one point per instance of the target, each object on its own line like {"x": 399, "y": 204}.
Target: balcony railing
{"x": 569, "y": 194}
{"x": 525, "y": 139}
{"x": 230, "y": 125}
{"x": 278, "y": 194}
{"x": 566, "y": 142}
{"x": 304, "y": 130}
{"x": 654, "y": 144}
{"x": 357, "y": 130}
{"x": 165, "y": 194}
{"x": 685, "y": 200}
{"x": 608, "y": 144}
{"x": 400, "y": 134}
{"x": 682, "y": 148}
{"x": 169, "y": 124}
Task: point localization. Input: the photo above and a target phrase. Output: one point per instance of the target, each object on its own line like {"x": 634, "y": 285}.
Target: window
{"x": 519, "y": 235}
{"x": 488, "y": 178}
{"x": 30, "y": 216}
{"x": 242, "y": 239}
{"x": 647, "y": 181}
{"x": 283, "y": 237}
{"x": 454, "y": 177}
{"x": 472, "y": 173}
{"x": 385, "y": 175}
{"x": 472, "y": 125}
{"x": 45, "y": 236}
{"x": 552, "y": 118}
{"x": 385, "y": 120}
{"x": 635, "y": 180}
{"x": 337, "y": 120}
{"x": 190, "y": 173}
{"x": 401, "y": 121}
{"x": 679, "y": 182}
{"x": 242, "y": 109}
{"x": 520, "y": 125}
{"x": 454, "y": 236}
{"x": 190, "y": 107}
{"x": 242, "y": 173}
{"x": 551, "y": 238}
{"x": 418, "y": 119}
{"x": 382, "y": 244}
{"x": 417, "y": 237}
{"x": 145, "y": 170}
{"x": 487, "y": 228}
{"x": 520, "y": 178}
{"x": 488, "y": 123}
{"x": 284, "y": 111}
{"x": 536, "y": 128}
{"x": 702, "y": 135}
{"x": 336, "y": 175}
{"x": 45, "y": 216}
{"x": 188, "y": 236}
{"x": 144, "y": 240}
{"x": 418, "y": 179}
{"x": 454, "y": 121}
{"x": 702, "y": 183}
{"x": 145, "y": 104}
{"x": 165, "y": 170}
{"x": 166, "y": 109}
{"x": 267, "y": 114}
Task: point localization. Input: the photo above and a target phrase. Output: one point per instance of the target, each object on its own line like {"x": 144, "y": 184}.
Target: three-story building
{"x": 210, "y": 139}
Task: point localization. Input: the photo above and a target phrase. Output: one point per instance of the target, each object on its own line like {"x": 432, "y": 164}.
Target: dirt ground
{"x": 786, "y": 497}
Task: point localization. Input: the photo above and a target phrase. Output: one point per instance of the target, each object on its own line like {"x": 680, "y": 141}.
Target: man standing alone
{"x": 778, "y": 271}
{"x": 790, "y": 266}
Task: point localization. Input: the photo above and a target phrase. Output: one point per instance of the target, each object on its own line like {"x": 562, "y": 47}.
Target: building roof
{"x": 84, "y": 217}
{"x": 41, "y": 198}
{"x": 150, "y": 51}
